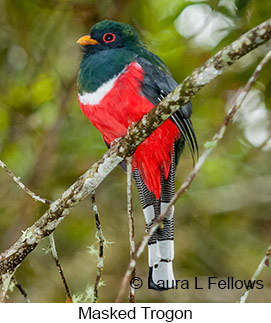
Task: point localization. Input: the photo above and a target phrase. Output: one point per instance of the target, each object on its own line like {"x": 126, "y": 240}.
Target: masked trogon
{"x": 119, "y": 81}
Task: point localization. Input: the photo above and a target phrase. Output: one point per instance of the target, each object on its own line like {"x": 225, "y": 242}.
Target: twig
{"x": 130, "y": 222}
{"x": 22, "y": 186}
{"x": 6, "y": 278}
{"x": 60, "y": 270}
{"x": 92, "y": 178}
{"x": 209, "y": 146}
{"x": 100, "y": 263}
{"x": 21, "y": 289}
{"x": 264, "y": 262}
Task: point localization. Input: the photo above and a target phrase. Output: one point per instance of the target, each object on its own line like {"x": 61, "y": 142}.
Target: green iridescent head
{"x": 109, "y": 34}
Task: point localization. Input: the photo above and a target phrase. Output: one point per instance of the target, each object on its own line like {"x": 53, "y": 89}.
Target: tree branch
{"x": 91, "y": 179}
{"x": 100, "y": 236}
{"x": 130, "y": 222}
{"x": 21, "y": 289}
{"x": 264, "y": 262}
{"x": 22, "y": 186}
{"x": 59, "y": 267}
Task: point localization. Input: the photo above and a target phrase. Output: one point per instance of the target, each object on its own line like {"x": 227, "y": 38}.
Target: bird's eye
{"x": 109, "y": 38}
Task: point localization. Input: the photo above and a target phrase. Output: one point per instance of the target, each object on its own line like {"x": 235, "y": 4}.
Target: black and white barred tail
{"x": 161, "y": 243}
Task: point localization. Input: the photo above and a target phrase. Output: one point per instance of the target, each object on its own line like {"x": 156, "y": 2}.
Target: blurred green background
{"x": 223, "y": 222}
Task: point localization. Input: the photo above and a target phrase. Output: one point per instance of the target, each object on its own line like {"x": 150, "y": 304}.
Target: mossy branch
{"x": 125, "y": 147}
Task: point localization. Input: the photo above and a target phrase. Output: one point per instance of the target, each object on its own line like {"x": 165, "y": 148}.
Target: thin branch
{"x": 130, "y": 222}
{"x": 60, "y": 270}
{"x": 209, "y": 146}
{"x": 92, "y": 178}
{"x": 100, "y": 263}
{"x": 21, "y": 289}
{"x": 22, "y": 186}
{"x": 263, "y": 263}
{"x": 6, "y": 278}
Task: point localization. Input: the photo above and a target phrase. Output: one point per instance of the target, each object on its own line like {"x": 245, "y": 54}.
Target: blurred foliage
{"x": 223, "y": 222}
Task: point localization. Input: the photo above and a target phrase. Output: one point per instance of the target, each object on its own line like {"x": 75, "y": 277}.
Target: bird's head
{"x": 109, "y": 34}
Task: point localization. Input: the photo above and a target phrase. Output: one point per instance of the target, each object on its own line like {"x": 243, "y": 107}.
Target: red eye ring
{"x": 109, "y": 38}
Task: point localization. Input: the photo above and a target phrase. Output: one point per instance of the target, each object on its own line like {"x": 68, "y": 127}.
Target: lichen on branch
{"x": 125, "y": 147}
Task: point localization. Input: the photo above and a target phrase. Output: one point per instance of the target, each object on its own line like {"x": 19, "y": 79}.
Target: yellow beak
{"x": 87, "y": 40}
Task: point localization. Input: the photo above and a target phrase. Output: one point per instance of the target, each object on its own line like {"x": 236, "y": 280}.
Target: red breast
{"x": 118, "y": 103}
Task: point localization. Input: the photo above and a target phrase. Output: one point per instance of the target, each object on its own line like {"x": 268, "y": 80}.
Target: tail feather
{"x": 161, "y": 244}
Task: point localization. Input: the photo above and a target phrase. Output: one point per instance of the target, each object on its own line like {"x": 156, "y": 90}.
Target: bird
{"x": 119, "y": 81}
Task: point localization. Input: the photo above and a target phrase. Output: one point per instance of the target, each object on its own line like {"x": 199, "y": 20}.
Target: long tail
{"x": 161, "y": 244}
